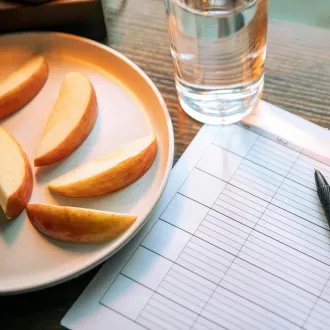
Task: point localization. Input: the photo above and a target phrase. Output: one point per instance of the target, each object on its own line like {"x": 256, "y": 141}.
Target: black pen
{"x": 323, "y": 190}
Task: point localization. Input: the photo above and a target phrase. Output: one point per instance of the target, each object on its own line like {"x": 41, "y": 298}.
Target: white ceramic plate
{"x": 129, "y": 107}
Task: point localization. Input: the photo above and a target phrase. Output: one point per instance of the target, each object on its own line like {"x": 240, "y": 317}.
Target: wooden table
{"x": 297, "y": 79}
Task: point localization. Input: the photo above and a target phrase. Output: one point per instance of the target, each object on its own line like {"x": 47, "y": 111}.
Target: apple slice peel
{"x": 71, "y": 120}
{"x": 16, "y": 181}
{"x": 20, "y": 87}
{"x": 78, "y": 225}
{"x": 110, "y": 172}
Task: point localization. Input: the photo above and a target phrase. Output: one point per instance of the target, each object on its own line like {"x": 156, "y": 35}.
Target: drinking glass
{"x": 218, "y": 49}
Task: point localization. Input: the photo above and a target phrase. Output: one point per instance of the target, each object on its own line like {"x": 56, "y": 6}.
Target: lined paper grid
{"x": 239, "y": 239}
{"x": 244, "y": 244}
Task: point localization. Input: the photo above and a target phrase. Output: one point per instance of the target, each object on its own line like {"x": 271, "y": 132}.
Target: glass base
{"x": 219, "y": 107}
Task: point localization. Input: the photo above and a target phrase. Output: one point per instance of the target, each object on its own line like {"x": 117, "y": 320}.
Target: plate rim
{"x": 52, "y": 281}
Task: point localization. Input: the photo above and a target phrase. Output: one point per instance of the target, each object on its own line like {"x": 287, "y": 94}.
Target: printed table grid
{"x": 256, "y": 256}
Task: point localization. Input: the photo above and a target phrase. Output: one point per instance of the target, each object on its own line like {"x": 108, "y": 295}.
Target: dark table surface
{"x": 297, "y": 79}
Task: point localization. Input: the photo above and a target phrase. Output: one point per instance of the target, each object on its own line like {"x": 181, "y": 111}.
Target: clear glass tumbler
{"x": 218, "y": 49}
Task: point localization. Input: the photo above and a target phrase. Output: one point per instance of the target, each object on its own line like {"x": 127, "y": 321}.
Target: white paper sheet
{"x": 238, "y": 240}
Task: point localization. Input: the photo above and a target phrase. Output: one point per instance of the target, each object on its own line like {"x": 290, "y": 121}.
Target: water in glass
{"x": 218, "y": 49}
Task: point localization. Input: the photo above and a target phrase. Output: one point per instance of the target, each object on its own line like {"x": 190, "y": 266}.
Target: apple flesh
{"x": 109, "y": 172}
{"x": 16, "y": 179}
{"x": 78, "y": 225}
{"x": 71, "y": 120}
{"x": 20, "y": 87}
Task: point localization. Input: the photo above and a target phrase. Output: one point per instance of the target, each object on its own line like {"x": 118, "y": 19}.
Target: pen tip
{"x": 320, "y": 179}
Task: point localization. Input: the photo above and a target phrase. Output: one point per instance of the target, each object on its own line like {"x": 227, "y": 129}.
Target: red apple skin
{"x": 77, "y": 136}
{"x": 118, "y": 177}
{"x": 77, "y": 225}
{"x": 17, "y": 202}
{"x": 19, "y": 97}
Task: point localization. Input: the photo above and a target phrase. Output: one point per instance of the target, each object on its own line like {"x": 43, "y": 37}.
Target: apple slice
{"x": 71, "y": 120}
{"x": 78, "y": 225}
{"x": 16, "y": 180}
{"x": 20, "y": 87}
{"x": 109, "y": 172}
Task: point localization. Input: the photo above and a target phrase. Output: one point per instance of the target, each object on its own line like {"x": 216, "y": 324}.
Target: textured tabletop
{"x": 297, "y": 79}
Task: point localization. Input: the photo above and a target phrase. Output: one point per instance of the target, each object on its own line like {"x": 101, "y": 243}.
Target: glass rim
{"x": 216, "y": 12}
